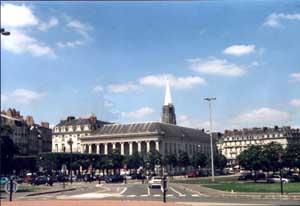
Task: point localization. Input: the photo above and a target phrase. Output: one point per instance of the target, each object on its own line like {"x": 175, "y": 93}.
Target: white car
{"x": 276, "y": 178}
{"x": 155, "y": 182}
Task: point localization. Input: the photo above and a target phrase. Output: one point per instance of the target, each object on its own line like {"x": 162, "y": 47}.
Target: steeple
{"x": 168, "y": 97}
{"x": 168, "y": 110}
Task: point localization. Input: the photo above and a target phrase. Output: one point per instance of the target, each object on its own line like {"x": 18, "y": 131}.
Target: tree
{"x": 220, "y": 161}
{"x": 199, "y": 159}
{"x": 8, "y": 149}
{"x": 171, "y": 160}
{"x": 270, "y": 158}
{"x": 133, "y": 161}
{"x": 183, "y": 159}
{"x": 251, "y": 159}
{"x": 291, "y": 157}
{"x": 116, "y": 160}
{"x": 152, "y": 158}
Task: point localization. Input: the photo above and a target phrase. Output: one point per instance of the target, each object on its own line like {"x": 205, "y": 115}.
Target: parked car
{"x": 113, "y": 178}
{"x": 192, "y": 174}
{"x": 294, "y": 178}
{"x": 276, "y": 178}
{"x": 3, "y": 180}
{"x": 155, "y": 181}
{"x": 17, "y": 179}
{"x": 138, "y": 176}
{"x": 247, "y": 176}
{"x": 40, "y": 180}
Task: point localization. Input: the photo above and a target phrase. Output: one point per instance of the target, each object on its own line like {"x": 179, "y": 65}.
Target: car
{"x": 113, "y": 178}
{"x": 276, "y": 178}
{"x": 155, "y": 181}
{"x": 191, "y": 174}
{"x": 17, "y": 179}
{"x": 40, "y": 180}
{"x": 247, "y": 176}
{"x": 3, "y": 180}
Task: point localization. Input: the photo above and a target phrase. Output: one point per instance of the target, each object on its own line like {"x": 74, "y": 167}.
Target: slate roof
{"x": 149, "y": 127}
{"x": 80, "y": 121}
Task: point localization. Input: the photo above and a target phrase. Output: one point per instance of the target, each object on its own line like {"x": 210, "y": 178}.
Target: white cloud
{"x": 262, "y": 115}
{"x": 70, "y": 44}
{"x": 120, "y": 88}
{"x": 184, "y": 120}
{"x": 144, "y": 111}
{"x": 26, "y": 96}
{"x": 176, "y": 82}
{"x": 108, "y": 103}
{"x": 295, "y": 77}
{"x": 82, "y": 28}
{"x": 295, "y": 102}
{"x": 17, "y": 16}
{"x": 4, "y": 98}
{"x": 214, "y": 66}
{"x": 98, "y": 88}
{"x": 239, "y": 50}
{"x": 45, "y": 26}
{"x": 274, "y": 19}
{"x": 20, "y": 42}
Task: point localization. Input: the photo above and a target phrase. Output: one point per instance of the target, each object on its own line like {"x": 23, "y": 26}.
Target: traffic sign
{"x": 15, "y": 187}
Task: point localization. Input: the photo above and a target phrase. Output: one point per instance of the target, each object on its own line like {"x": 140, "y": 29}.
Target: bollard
{"x": 10, "y": 189}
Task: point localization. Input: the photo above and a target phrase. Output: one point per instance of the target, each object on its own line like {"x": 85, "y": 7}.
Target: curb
{"x": 50, "y": 192}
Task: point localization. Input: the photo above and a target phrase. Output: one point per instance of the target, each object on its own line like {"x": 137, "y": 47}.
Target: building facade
{"x": 233, "y": 142}
{"x": 29, "y": 137}
{"x": 165, "y": 137}
{"x": 73, "y": 129}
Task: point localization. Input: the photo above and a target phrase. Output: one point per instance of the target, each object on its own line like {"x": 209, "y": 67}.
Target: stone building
{"x": 165, "y": 137}
{"x": 29, "y": 137}
{"x": 73, "y": 129}
{"x": 233, "y": 142}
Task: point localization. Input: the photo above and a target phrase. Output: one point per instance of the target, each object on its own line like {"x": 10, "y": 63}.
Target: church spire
{"x": 168, "y": 97}
{"x": 168, "y": 110}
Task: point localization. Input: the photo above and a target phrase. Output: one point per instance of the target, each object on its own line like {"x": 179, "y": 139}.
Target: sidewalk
{"x": 89, "y": 203}
{"x": 251, "y": 195}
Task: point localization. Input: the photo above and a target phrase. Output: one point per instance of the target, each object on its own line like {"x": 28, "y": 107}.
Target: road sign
{"x": 14, "y": 187}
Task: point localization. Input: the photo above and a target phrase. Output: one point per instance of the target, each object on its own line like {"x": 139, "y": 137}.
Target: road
{"x": 136, "y": 191}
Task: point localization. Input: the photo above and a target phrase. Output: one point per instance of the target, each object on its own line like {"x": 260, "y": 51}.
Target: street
{"x": 136, "y": 191}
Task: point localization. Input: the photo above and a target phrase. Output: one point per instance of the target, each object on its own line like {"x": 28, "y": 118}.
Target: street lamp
{"x": 209, "y": 99}
{"x": 4, "y": 33}
{"x": 70, "y": 142}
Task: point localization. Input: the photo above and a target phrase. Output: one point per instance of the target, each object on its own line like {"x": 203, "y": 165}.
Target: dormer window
{"x": 78, "y": 128}
{"x": 56, "y": 129}
{"x": 86, "y": 127}
{"x": 70, "y": 129}
{"x": 63, "y": 129}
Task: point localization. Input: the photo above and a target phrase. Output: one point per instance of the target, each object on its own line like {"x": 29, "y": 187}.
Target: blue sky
{"x": 112, "y": 59}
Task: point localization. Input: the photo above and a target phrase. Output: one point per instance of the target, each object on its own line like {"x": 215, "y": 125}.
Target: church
{"x": 165, "y": 136}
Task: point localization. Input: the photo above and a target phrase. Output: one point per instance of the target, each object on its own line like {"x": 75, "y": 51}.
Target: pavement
{"x": 136, "y": 193}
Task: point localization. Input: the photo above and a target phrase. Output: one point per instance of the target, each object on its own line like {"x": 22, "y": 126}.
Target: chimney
{"x": 93, "y": 118}
{"x": 45, "y": 124}
{"x": 29, "y": 120}
{"x": 70, "y": 118}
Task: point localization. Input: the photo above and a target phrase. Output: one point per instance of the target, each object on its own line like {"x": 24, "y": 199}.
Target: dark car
{"x": 247, "y": 176}
{"x": 138, "y": 176}
{"x": 40, "y": 180}
{"x": 113, "y": 178}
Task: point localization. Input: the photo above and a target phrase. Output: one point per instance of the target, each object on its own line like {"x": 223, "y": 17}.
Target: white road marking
{"x": 144, "y": 195}
{"x": 156, "y": 195}
{"x": 124, "y": 190}
{"x": 194, "y": 191}
{"x": 130, "y": 195}
{"x": 195, "y": 195}
{"x": 179, "y": 193}
{"x": 170, "y": 195}
{"x": 148, "y": 191}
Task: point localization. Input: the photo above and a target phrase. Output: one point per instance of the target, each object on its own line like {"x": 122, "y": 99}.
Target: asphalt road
{"x": 136, "y": 191}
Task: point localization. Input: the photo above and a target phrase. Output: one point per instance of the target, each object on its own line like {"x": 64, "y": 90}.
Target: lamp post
{"x": 209, "y": 99}
{"x": 70, "y": 142}
{"x": 280, "y": 165}
{"x": 4, "y": 33}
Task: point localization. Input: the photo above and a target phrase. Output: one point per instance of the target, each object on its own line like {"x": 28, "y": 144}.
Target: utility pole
{"x": 209, "y": 99}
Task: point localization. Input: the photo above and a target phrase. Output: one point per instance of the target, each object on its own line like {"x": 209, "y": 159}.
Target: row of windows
{"x": 253, "y": 137}
{"x": 72, "y": 128}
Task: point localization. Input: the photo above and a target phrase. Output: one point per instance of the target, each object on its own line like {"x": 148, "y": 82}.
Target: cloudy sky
{"x": 112, "y": 59}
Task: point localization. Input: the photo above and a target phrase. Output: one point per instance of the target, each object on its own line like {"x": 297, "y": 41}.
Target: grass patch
{"x": 205, "y": 180}
{"x": 255, "y": 187}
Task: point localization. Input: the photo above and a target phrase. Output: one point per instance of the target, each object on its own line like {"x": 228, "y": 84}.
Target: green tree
{"x": 199, "y": 159}
{"x": 171, "y": 161}
{"x": 116, "y": 160}
{"x": 270, "y": 158}
{"x": 291, "y": 157}
{"x": 220, "y": 161}
{"x": 251, "y": 159}
{"x": 183, "y": 159}
{"x": 8, "y": 149}
{"x": 133, "y": 161}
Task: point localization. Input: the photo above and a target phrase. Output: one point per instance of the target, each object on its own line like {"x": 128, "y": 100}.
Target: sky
{"x": 112, "y": 59}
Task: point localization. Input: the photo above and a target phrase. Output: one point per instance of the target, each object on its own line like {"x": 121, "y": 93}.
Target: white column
{"x": 148, "y": 146}
{"x": 130, "y": 148}
{"x": 114, "y": 146}
{"x": 98, "y": 148}
{"x": 122, "y": 148}
{"x": 90, "y": 148}
{"x": 105, "y": 148}
{"x": 157, "y": 145}
{"x": 139, "y": 146}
